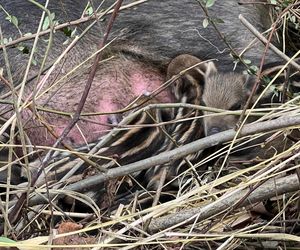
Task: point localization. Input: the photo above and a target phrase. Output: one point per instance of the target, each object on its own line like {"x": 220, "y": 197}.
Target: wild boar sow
{"x": 144, "y": 39}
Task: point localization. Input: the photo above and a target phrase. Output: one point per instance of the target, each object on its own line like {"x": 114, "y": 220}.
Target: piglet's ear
{"x": 210, "y": 69}
{"x": 191, "y": 78}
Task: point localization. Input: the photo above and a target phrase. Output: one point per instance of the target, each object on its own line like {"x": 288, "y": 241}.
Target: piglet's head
{"x": 228, "y": 91}
{"x": 203, "y": 84}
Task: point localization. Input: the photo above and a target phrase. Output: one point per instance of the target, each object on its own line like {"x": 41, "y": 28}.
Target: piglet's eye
{"x": 236, "y": 106}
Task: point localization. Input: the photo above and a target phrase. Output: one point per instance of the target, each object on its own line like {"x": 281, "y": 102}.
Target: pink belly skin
{"x": 115, "y": 85}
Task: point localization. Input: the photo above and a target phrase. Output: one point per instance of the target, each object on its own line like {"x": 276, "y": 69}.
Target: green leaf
{"x": 46, "y": 23}
{"x": 209, "y": 3}
{"x": 66, "y": 42}
{"x": 89, "y": 11}
{"x": 20, "y": 47}
{"x": 4, "y": 41}
{"x": 247, "y": 61}
{"x": 293, "y": 19}
{"x": 34, "y": 62}
{"x": 67, "y": 31}
{"x": 218, "y": 20}
{"x": 254, "y": 68}
{"x": 205, "y": 22}
{"x": 14, "y": 20}
{"x": 73, "y": 34}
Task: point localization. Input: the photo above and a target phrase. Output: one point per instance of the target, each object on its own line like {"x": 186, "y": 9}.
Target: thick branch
{"x": 179, "y": 153}
{"x": 271, "y": 188}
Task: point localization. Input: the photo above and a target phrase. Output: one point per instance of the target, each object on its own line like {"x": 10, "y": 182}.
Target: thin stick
{"x": 265, "y": 42}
